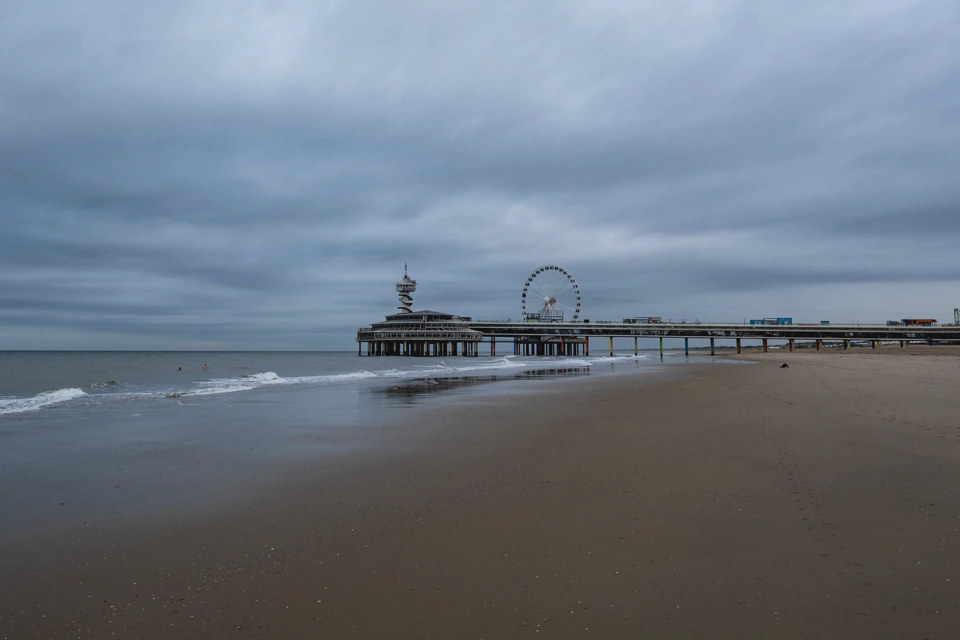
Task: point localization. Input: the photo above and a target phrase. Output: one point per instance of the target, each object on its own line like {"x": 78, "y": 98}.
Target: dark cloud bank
{"x": 253, "y": 175}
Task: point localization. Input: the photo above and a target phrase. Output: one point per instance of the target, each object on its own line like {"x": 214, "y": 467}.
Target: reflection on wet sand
{"x": 409, "y": 391}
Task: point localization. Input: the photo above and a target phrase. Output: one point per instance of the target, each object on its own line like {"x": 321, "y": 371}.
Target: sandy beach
{"x": 728, "y": 501}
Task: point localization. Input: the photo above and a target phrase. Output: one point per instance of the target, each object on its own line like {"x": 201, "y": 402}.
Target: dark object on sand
{"x": 784, "y": 365}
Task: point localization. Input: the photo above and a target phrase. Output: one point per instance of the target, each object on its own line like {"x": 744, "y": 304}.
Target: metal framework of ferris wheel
{"x": 551, "y": 294}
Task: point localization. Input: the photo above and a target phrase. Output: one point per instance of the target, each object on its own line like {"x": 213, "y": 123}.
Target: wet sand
{"x": 818, "y": 501}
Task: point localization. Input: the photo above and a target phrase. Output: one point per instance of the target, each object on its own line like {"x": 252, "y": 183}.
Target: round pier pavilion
{"x": 420, "y": 333}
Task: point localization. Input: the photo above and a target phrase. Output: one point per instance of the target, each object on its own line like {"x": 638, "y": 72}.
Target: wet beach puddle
{"x": 412, "y": 391}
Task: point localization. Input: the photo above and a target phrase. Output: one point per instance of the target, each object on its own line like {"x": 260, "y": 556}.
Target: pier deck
{"x": 572, "y": 338}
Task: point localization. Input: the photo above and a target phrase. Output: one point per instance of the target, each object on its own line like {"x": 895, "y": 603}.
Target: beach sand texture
{"x": 818, "y": 501}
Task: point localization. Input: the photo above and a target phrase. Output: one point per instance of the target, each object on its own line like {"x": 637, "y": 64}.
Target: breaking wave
{"x": 45, "y": 399}
{"x": 111, "y": 391}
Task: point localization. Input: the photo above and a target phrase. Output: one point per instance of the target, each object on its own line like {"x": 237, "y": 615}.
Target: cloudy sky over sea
{"x": 209, "y": 174}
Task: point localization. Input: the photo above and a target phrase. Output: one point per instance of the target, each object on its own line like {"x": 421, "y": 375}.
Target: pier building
{"x": 418, "y": 333}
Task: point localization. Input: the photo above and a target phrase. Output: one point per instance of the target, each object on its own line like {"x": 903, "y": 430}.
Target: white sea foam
{"x": 45, "y": 399}
{"x": 258, "y": 380}
{"x": 233, "y": 385}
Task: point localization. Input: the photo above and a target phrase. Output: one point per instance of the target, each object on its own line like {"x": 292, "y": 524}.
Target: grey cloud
{"x": 173, "y": 169}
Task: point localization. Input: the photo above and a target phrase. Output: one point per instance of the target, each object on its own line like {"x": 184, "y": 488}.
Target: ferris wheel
{"x": 551, "y": 294}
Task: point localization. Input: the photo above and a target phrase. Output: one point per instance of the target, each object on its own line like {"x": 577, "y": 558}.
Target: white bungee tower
{"x": 405, "y": 287}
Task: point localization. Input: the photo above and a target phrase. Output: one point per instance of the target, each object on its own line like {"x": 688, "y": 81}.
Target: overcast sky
{"x": 253, "y": 175}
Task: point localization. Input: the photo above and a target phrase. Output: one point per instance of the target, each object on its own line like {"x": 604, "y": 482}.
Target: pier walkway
{"x": 790, "y": 333}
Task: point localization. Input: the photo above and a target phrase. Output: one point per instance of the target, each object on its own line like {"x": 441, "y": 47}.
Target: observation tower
{"x": 405, "y": 287}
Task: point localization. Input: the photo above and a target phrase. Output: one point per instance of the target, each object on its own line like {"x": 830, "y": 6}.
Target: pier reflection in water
{"x": 411, "y": 391}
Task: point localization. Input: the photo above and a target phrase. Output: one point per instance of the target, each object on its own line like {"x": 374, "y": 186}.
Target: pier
{"x": 544, "y": 333}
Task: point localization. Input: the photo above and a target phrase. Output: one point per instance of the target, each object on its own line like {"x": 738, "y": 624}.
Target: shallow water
{"x": 98, "y": 436}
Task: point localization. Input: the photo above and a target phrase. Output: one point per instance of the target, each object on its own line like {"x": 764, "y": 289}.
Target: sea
{"x": 79, "y": 383}
{"x": 94, "y": 435}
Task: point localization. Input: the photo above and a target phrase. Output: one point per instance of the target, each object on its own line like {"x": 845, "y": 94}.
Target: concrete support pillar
{"x": 791, "y": 345}
{"x": 713, "y": 351}
{"x": 738, "y": 345}
{"x": 765, "y": 345}
{"x": 686, "y": 346}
